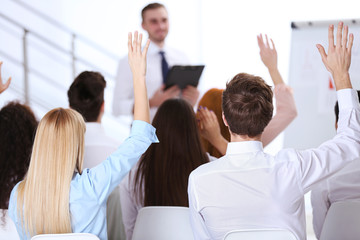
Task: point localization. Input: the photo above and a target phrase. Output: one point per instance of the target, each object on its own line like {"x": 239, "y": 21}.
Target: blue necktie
{"x": 164, "y": 66}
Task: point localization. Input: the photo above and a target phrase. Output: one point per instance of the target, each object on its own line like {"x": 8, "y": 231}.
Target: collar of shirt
{"x": 243, "y": 147}
{"x": 155, "y": 49}
{"x": 94, "y": 126}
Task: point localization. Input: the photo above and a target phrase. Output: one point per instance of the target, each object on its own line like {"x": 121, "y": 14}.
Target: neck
{"x": 160, "y": 44}
{"x": 244, "y": 138}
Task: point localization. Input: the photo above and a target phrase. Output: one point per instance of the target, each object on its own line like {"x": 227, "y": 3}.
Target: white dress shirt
{"x": 342, "y": 186}
{"x": 249, "y": 189}
{"x": 123, "y": 101}
{"x": 98, "y": 146}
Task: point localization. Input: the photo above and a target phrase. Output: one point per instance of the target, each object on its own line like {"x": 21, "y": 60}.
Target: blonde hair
{"x": 43, "y": 195}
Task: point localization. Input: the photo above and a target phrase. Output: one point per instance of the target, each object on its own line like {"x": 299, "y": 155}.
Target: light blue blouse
{"x": 90, "y": 190}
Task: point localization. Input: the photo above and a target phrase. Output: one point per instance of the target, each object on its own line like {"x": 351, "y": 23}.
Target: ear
{"x": 143, "y": 25}
{"x": 102, "y": 108}
{"x": 224, "y": 119}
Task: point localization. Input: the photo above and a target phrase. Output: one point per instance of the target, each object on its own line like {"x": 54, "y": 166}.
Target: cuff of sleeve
{"x": 347, "y": 98}
{"x": 141, "y": 127}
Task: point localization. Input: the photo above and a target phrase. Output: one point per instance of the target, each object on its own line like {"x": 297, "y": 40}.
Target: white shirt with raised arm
{"x": 250, "y": 189}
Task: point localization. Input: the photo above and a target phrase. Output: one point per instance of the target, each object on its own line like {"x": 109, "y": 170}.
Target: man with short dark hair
{"x": 250, "y": 189}
{"x": 86, "y": 95}
{"x": 342, "y": 186}
{"x": 160, "y": 58}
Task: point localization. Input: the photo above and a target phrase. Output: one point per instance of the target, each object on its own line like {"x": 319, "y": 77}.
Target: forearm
{"x": 220, "y": 143}
{"x": 342, "y": 80}
{"x": 275, "y": 76}
{"x": 141, "y": 103}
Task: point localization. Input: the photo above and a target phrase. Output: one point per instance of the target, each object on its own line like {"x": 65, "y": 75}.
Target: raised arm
{"x": 268, "y": 56}
{"x": 3, "y": 86}
{"x": 337, "y": 60}
{"x": 317, "y": 164}
{"x": 210, "y": 129}
{"x": 137, "y": 62}
{"x": 285, "y": 103}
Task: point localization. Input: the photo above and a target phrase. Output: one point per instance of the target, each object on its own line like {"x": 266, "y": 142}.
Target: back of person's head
{"x": 165, "y": 167}
{"x": 151, "y": 6}
{"x": 17, "y": 130}
{"x": 212, "y": 100}
{"x": 43, "y": 196}
{"x": 86, "y": 95}
{"x": 336, "y": 110}
{"x": 247, "y": 105}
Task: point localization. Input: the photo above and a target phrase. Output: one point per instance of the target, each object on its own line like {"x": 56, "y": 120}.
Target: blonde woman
{"x": 57, "y": 195}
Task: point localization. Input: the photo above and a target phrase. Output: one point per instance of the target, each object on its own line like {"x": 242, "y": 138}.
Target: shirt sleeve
{"x": 319, "y": 163}
{"x": 285, "y": 113}
{"x": 123, "y": 100}
{"x": 197, "y": 222}
{"x": 128, "y": 206}
{"x": 106, "y": 176}
{"x": 320, "y": 205}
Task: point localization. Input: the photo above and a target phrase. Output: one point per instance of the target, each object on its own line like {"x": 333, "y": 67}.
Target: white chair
{"x": 163, "y": 223}
{"x": 260, "y": 234}
{"x": 66, "y": 236}
{"x": 342, "y": 221}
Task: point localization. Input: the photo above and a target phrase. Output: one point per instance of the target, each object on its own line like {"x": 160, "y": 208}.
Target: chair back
{"x": 163, "y": 223}
{"x": 342, "y": 221}
{"x": 66, "y": 236}
{"x": 260, "y": 234}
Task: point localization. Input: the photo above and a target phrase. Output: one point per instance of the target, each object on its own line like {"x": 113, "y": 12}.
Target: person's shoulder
{"x": 208, "y": 168}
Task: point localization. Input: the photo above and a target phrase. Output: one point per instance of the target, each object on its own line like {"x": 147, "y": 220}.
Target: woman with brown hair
{"x": 161, "y": 176}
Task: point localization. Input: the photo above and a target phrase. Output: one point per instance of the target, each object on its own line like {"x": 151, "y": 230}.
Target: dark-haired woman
{"x": 161, "y": 176}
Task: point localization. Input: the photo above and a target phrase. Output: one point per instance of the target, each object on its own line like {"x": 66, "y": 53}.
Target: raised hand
{"x": 268, "y": 56}
{"x": 3, "y": 86}
{"x": 338, "y": 59}
{"x": 136, "y": 57}
{"x": 137, "y": 62}
{"x": 210, "y": 129}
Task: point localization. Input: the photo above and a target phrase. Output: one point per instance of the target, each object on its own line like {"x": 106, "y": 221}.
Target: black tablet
{"x": 184, "y": 75}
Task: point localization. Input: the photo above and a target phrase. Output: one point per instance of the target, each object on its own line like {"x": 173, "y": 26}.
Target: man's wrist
{"x": 342, "y": 81}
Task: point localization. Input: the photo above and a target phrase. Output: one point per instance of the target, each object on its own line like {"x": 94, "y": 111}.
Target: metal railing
{"x": 75, "y": 38}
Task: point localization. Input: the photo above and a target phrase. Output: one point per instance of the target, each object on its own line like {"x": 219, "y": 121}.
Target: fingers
{"x": 267, "y": 41}
{"x": 345, "y": 37}
{"x": 339, "y": 35}
{"x": 145, "y": 50}
{"x": 273, "y": 44}
{"x": 135, "y": 41}
{"x": 260, "y": 41}
{"x": 322, "y": 52}
{"x": 331, "y": 36}
{"x": 0, "y": 68}
{"x": 350, "y": 44}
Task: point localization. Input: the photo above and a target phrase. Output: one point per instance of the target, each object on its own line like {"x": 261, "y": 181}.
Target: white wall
{"x": 220, "y": 34}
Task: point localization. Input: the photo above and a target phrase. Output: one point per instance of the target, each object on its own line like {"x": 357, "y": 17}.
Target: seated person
{"x": 342, "y": 186}
{"x": 215, "y": 145}
{"x": 86, "y": 95}
{"x": 250, "y": 189}
{"x": 161, "y": 176}
{"x": 17, "y": 129}
{"x": 57, "y": 195}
